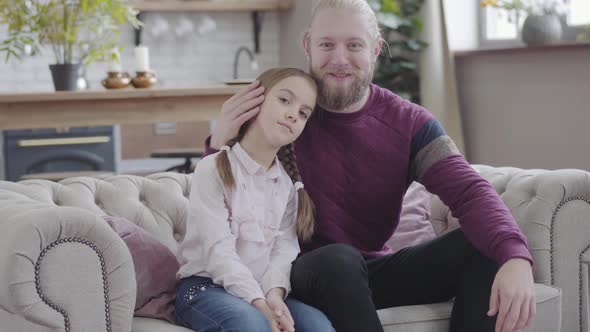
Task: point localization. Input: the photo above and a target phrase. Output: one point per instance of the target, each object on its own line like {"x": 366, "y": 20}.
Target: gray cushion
{"x": 141, "y": 324}
{"x": 417, "y": 318}
{"x": 435, "y": 317}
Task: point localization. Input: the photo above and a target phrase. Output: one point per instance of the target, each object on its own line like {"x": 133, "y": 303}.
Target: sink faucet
{"x": 253, "y": 61}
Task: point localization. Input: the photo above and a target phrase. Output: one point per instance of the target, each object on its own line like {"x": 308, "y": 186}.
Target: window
{"x": 579, "y": 13}
{"x": 497, "y": 27}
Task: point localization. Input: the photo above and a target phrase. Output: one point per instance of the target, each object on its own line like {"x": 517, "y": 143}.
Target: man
{"x": 357, "y": 156}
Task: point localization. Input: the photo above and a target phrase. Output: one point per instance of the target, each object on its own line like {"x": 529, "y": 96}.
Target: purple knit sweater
{"x": 357, "y": 167}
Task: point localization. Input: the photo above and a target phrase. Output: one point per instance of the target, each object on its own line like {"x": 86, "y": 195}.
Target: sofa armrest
{"x": 553, "y": 210}
{"x": 63, "y": 268}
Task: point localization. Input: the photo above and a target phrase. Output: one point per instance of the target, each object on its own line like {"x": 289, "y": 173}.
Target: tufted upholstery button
{"x": 141, "y": 194}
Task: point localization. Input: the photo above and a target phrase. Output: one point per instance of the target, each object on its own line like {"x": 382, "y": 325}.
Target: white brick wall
{"x": 178, "y": 62}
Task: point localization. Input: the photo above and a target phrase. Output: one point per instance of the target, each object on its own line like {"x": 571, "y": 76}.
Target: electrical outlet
{"x": 165, "y": 128}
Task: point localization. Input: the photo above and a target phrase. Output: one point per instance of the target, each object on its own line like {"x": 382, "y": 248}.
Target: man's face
{"x": 342, "y": 56}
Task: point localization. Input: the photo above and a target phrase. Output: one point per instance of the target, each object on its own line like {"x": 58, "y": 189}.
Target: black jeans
{"x": 349, "y": 288}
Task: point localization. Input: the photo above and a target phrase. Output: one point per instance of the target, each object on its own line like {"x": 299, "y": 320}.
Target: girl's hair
{"x": 286, "y": 155}
{"x": 360, "y": 6}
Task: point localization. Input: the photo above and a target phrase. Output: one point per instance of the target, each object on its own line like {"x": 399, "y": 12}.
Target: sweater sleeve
{"x": 436, "y": 162}
{"x": 208, "y": 149}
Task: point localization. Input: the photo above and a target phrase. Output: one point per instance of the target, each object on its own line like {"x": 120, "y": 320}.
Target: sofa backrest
{"x": 157, "y": 203}
{"x": 517, "y": 188}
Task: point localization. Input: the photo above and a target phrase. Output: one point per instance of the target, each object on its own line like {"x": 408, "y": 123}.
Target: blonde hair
{"x": 360, "y": 6}
{"x": 286, "y": 155}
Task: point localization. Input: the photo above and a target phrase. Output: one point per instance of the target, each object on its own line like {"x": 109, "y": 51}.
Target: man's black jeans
{"x": 349, "y": 288}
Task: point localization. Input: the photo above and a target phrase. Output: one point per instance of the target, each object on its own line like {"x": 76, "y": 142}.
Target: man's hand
{"x": 274, "y": 298}
{"x": 238, "y": 109}
{"x": 513, "y": 296}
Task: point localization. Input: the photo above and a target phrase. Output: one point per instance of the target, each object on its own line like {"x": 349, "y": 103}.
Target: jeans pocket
{"x": 193, "y": 286}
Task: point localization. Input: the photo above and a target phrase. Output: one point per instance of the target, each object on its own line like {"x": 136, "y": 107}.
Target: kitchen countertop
{"x": 107, "y": 107}
{"x": 116, "y": 94}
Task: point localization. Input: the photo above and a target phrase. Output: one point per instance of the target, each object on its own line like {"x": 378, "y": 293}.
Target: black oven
{"x": 50, "y": 150}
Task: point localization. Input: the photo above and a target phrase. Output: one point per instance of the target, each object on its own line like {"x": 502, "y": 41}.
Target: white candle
{"x": 142, "y": 60}
{"x": 115, "y": 61}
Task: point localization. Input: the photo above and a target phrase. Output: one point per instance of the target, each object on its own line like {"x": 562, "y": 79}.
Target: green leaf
{"x": 408, "y": 65}
{"x": 65, "y": 28}
{"x": 390, "y": 6}
{"x": 389, "y": 20}
{"x": 417, "y": 24}
{"x": 404, "y": 94}
{"x": 375, "y": 5}
{"x": 415, "y": 45}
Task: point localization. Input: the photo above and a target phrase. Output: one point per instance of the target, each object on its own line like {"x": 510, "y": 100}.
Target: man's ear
{"x": 305, "y": 41}
{"x": 377, "y": 50}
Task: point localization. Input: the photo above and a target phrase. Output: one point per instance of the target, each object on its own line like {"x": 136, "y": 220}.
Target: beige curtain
{"x": 438, "y": 85}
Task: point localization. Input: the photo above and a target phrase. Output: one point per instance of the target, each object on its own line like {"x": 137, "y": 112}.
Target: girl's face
{"x": 285, "y": 111}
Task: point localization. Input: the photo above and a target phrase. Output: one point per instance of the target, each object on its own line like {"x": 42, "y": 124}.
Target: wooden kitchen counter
{"x": 108, "y": 107}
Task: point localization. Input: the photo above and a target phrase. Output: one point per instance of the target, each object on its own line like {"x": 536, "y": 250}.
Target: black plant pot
{"x": 65, "y": 76}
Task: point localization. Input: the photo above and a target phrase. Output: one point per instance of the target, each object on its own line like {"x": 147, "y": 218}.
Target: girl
{"x": 247, "y": 207}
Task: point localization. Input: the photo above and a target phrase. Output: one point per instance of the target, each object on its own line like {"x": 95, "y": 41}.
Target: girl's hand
{"x": 274, "y": 298}
{"x": 238, "y": 109}
{"x": 270, "y": 315}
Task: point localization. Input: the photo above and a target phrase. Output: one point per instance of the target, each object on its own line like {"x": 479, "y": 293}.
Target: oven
{"x": 51, "y": 150}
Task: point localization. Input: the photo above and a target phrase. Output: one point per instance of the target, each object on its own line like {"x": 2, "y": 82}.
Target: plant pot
{"x": 541, "y": 29}
{"x": 65, "y": 76}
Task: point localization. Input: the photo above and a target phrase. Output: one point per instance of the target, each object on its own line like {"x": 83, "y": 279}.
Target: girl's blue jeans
{"x": 203, "y": 306}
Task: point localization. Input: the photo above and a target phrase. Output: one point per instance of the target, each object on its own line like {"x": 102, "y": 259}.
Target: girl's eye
{"x": 284, "y": 100}
{"x": 303, "y": 114}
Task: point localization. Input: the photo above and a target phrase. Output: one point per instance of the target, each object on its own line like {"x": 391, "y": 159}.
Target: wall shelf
{"x": 254, "y": 6}
{"x": 211, "y": 5}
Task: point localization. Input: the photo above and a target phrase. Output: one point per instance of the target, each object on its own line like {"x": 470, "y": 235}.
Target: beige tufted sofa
{"x": 63, "y": 269}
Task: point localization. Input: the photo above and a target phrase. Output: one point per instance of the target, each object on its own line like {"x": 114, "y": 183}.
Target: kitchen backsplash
{"x": 183, "y": 49}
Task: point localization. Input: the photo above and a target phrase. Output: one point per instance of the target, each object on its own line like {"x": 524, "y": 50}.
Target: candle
{"x": 142, "y": 60}
{"x": 115, "y": 61}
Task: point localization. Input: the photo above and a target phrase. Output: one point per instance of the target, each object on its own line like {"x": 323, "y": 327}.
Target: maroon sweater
{"x": 357, "y": 167}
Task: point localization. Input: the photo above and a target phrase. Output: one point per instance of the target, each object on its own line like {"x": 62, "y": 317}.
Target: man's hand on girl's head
{"x": 238, "y": 109}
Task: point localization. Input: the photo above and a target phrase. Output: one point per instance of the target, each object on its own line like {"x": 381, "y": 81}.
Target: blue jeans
{"x": 204, "y": 306}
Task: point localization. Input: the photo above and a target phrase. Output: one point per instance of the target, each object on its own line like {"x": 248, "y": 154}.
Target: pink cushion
{"x": 155, "y": 270}
{"x": 414, "y": 224}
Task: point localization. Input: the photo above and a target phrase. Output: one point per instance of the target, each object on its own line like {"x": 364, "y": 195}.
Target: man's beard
{"x": 339, "y": 98}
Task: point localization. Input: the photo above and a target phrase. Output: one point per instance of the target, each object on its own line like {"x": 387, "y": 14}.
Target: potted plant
{"x": 396, "y": 69}
{"x": 543, "y": 18}
{"x": 78, "y": 32}
{"x": 584, "y": 36}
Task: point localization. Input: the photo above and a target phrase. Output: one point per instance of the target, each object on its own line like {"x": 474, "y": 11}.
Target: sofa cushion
{"x": 414, "y": 223}
{"x": 141, "y": 324}
{"x": 155, "y": 270}
{"x": 435, "y": 317}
